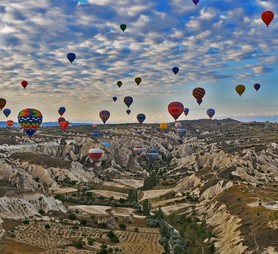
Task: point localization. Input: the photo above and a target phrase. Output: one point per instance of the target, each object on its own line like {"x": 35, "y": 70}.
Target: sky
{"x": 216, "y": 45}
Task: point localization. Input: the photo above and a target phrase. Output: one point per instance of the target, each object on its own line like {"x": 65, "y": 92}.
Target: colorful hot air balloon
{"x": 123, "y": 27}
{"x": 61, "y": 110}
{"x": 119, "y": 83}
{"x": 141, "y": 118}
{"x": 163, "y": 126}
{"x": 257, "y": 86}
{"x": 181, "y": 132}
{"x": 186, "y": 111}
{"x": 199, "y": 101}
{"x": 177, "y": 124}
{"x": 210, "y": 112}
{"x": 138, "y": 150}
{"x": 138, "y": 81}
{"x": 61, "y": 119}
{"x": 10, "y": 123}
{"x": 64, "y": 125}
{"x": 153, "y": 155}
{"x": 95, "y": 154}
{"x": 240, "y": 89}
{"x": 195, "y": 1}
{"x": 128, "y": 111}
{"x": 6, "y": 112}
{"x": 267, "y": 17}
{"x": 104, "y": 115}
{"x": 175, "y": 70}
{"x": 175, "y": 109}
{"x": 128, "y": 101}
{"x": 30, "y": 120}
{"x": 95, "y": 134}
{"x": 199, "y": 93}
{"x": 114, "y": 98}
{"x": 24, "y": 83}
{"x": 2, "y": 103}
{"x": 71, "y": 57}
{"x": 94, "y": 125}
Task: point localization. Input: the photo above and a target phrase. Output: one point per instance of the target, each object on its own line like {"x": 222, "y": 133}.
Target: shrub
{"x": 79, "y": 245}
{"x": 83, "y": 222}
{"x": 136, "y": 230}
{"x": 122, "y": 226}
{"x": 72, "y": 216}
{"x": 41, "y": 211}
{"x": 91, "y": 241}
{"x": 47, "y": 226}
{"x": 113, "y": 238}
{"x": 26, "y": 222}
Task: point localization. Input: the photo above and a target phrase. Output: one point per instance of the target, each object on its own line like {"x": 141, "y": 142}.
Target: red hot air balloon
{"x": 104, "y": 115}
{"x": 199, "y": 93}
{"x": 64, "y": 125}
{"x": 61, "y": 119}
{"x": 10, "y": 123}
{"x": 138, "y": 150}
{"x": 95, "y": 154}
{"x": 267, "y": 17}
{"x": 175, "y": 109}
{"x": 24, "y": 83}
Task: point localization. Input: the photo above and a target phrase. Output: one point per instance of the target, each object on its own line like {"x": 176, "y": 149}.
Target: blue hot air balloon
{"x": 195, "y": 1}
{"x": 128, "y": 101}
{"x": 181, "y": 131}
{"x": 186, "y": 111}
{"x": 257, "y": 86}
{"x": 104, "y": 115}
{"x": 153, "y": 155}
{"x": 141, "y": 118}
{"x": 106, "y": 144}
{"x": 95, "y": 133}
{"x": 6, "y": 112}
{"x": 114, "y": 98}
{"x": 128, "y": 111}
{"x": 175, "y": 70}
{"x": 210, "y": 112}
{"x": 71, "y": 57}
{"x": 61, "y": 110}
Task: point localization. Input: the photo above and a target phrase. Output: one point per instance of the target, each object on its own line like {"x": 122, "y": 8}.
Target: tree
{"x": 146, "y": 208}
{"x": 83, "y": 222}
{"x": 72, "y": 216}
{"x": 122, "y": 226}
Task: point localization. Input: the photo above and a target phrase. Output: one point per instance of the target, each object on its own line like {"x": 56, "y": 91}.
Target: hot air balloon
{"x": 163, "y": 126}
{"x": 106, "y": 144}
{"x": 175, "y": 70}
{"x": 141, "y": 118}
{"x": 128, "y": 111}
{"x": 2, "y": 103}
{"x": 10, "y": 123}
{"x": 199, "y": 101}
{"x": 128, "y": 101}
{"x": 138, "y": 81}
{"x": 123, "y": 27}
{"x": 195, "y": 1}
{"x": 6, "y": 112}
{"x": 175, "y": 109}
{"x": 153, "y": 155}
{"x": 24, "y": 83}
{"x": 71, "y": 57}
{"x": 199, "y": 93}
{"x": 181, "y": 131}
{"x": 30, "y": 120}
{"x": 95, "y": 154}
{"x": 114, "y": 98}
{"x": 138, "y": 150}
{"x": 64, "y": 125}
{"x": 104, "y": 115}
{"x": 210, "y": 112}
{"x": 61, "y": 110}
{"x": 240, "y": 89}
{"x": 94, "y": 125}
{"x": 186, "y": 111}
{"x": 177, "y": 124}
{"x": 95, "y": 134}
{"x": 257, "y": 86}
{"x": 61, "y": 119}
{"x": 119, "y": 83}
{"x": 267, "y": 17}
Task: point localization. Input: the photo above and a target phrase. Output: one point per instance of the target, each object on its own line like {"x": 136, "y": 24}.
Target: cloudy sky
{"x": 216, "y": 44}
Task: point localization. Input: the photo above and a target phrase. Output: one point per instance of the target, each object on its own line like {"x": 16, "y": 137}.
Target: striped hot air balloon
{"x": 210, "y": 112}
{"x": 95, "y": 154}
{"x": 138, "y": 150}
{"x": 104, "y": 115}
{"x": 10, "y": 123}
{"x": 199, "y": 93}
{"x": 2, "y": 103}
{"x": 175, "y": 109}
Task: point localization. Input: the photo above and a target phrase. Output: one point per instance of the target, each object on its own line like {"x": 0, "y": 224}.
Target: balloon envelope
{"x": 240, "y": 89}
{"x": 138, "y": 150}
{"x": 257, "y": 86}
{"x": 199, "y": 101}
{"x": 119, "y": 83}
{"x": 95, "y": 154}
{"x": 210, "y": 112}
{"x": 175, "y": 109}
{"x": 175, "y": 70}
{"x": 199, "y": 93}
{"x": 128, "y": 101}
{"x": 104, "y": 115}
{"x": 30, "y": 120}
{"x": 163, "y": 126}
{"x": 128, "y": 111}
{"x": 195, "y": 1}
{"x": 181, "y": 131}
{"x": 186, "y": 111}
{"x": 6, "y": 112}
{"x": 141, "y": 118}
{"x": 153, "y": 154}
{"x": 267, "y": 17}
{"x": 71, "y": 57}
{"x": 123, "y": 27}
{"x": 106, "y": 144}
{"x": 64, "y": 125}
{"x": 114, "y": 98}
{"x": 24, "y": 83}
{"x": 95, "y": 133}
{"x": 138, "y": 81}
{"x": 10, "y": 123}
{"x": 61, "y": 119}
{"x": 2, "y": 103}
{"x": 61, "y": 110}
{"x": 177, "y": 124}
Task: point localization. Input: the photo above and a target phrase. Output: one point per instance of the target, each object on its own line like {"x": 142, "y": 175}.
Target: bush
{"x": 41, "y": 211}
{"x": 79, "y": 245}
{"x": 91, "y": 241}
{"x": 113, "y": 238}
{"x": 83, "y": 222}
{"x": 122, "y": 226}
{"x": 110, "y": 250}
{"x": 26, "y": 222}
{"x": 47, "y": 226}
{"x": 72, "y": 216}
{"x": 136, "y": 230}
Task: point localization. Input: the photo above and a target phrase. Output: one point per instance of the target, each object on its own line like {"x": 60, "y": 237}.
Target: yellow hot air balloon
{"x": 163, "y": 126}
{"x": 240, "y": 89}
